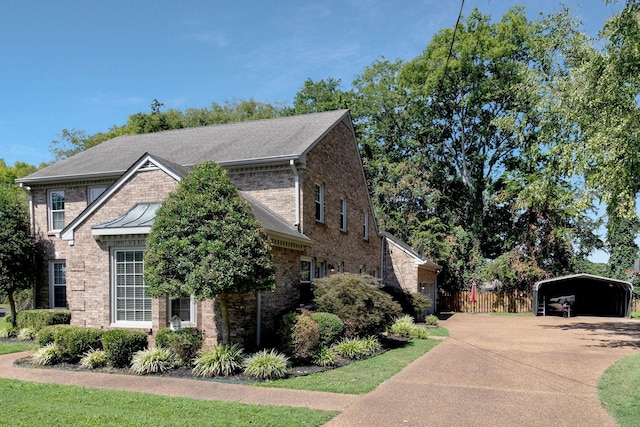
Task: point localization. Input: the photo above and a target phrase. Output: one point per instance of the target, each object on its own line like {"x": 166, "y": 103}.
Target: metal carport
{"x": 593, "y": 295}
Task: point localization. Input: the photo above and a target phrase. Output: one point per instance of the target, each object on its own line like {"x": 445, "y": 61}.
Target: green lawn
{"x": 34, "y": 404}
{"x": 619, "y": 390}
{"x": 358, "y": 377}
{"x": 16, "y": 346}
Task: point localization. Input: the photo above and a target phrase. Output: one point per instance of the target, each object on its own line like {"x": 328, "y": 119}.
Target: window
{"x": 363, "y": 269}
{"x": 343, "y": 215}
{"x": 58, "y": 284}
{"x": 305, "y": 270}
{"x": 131, "y": 305}
{"x": 56, "y": 209}
{"x": 319, "y": 203}
{"x": 95, "y": 192}
{"x": 365, "y": 226}
{"x": 185, "y": 309}
{"x": 320, "y": 269}
{"x": 341, "y": 267}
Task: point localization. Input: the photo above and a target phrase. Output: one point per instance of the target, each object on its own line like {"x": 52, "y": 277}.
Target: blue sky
{"x": 90, "y": 64}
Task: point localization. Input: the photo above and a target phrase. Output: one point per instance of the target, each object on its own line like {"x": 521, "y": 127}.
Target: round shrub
{"x": 121, "y": 344}
{"x": 330, "y": 326}
{"x": 75, "y": 341}
{"x": 413, "y": 304}
{"x": 221, "y": 360}
{"x": 47, "y": 334}
{"x": 363, "y": 307}
{"x": 305, "y": 338}
{"x": 184, "y": 343}
{"x": 266, "y": 365}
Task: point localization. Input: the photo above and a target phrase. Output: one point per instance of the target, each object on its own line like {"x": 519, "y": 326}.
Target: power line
{"x": 453, "y": 38}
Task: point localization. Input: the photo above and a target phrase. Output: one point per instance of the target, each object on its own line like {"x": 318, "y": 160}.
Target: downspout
{"x": 32, "y": 230}
{"x": 296, "y": 184}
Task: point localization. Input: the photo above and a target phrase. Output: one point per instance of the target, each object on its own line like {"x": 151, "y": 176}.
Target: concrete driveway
{"x": 503, "y": 371}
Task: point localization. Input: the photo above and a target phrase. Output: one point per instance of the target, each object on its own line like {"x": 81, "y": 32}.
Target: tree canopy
{"x": 206, "y": 242}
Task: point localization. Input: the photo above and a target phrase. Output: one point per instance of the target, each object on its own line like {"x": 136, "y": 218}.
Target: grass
{"x": 437, "y": 332}
{"x": 34, "y": 404}
{"x": 619, "y": 390}
{"x": 358, "y": 377}
{"x": 635, "y": 315}
{"x": 16, "y": 346}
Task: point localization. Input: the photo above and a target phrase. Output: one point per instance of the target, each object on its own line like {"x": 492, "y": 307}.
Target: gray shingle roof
{"x": 259, "y": 141}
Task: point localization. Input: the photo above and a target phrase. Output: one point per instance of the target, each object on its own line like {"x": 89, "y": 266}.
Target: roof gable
{"x": 236, "y": 144}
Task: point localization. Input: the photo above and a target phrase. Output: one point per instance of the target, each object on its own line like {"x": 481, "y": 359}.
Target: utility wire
{"x": 455, "y": 30}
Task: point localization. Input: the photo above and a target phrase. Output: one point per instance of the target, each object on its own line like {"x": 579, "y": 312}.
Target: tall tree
{"x": 17, "y": 247}
{"x": 205, "y": 242}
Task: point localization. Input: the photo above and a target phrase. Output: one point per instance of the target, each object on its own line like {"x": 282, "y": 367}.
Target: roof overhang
{"x": 583, "y": 276}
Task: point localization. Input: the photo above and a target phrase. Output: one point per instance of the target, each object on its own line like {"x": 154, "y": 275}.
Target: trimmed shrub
{"x": 266, "y": 365}
{"x": 221, "y": 360}
{"x": 184, "y": 343}
{"x": 305, "y": 338}
{"x": 358, "y": 301}
{"x": 413, "y": 304}
{"x": 330, "y": 327}
{"x": 38, "y": 319}
{"x": 121, "y": 344}
{"x": 153, "y": 361}
{"x": 74, "y": 341}
{"x": 94, "y": 359}
{"x": 47, "y": 334}
{"x": 326, "y": 356}
{"x": 47, "y": 355}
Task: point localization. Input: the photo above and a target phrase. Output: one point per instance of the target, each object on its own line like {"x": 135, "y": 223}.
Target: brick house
{"x": 405, "y": 268}
{"x": 302, "y": 175}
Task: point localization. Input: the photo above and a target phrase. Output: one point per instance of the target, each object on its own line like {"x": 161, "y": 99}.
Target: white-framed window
{"x": 320, "y": 269}
{"x": 341, "y": 267}
{"x": 94, "y": 192}
{"x": 319, "y": 190}
{"x": 185, "y": 309}
{"x": 343, "y": 214}
{"x": 131, "y": 304}
{"x": 57, "y": 284}
{"x": 365, "y": 225}
{"x": 306, "y": 270}
{"x": 56, "y": 209}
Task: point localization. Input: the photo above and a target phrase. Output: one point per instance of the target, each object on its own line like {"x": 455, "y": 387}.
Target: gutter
{"x": 296, "y": 181}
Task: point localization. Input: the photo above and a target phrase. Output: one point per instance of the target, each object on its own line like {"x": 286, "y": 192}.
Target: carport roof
{"x": 584, "y": 276}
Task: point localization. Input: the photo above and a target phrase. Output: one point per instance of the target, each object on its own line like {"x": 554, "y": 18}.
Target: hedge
{"x": 38, "y": 319}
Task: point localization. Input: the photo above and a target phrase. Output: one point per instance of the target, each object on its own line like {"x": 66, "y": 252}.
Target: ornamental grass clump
{"x": 405, "y": 327}
{"x": 326, "y": 356}
{"x": 431, "y": 320}
{"x": 357, "y": 348}
{"x": 94, "y": 359}
{"x": 222, "y": 360}
{"x": 47, "y": 355}
{"x": 27, "y": 334}
{"x": 267, "y": 365}
{"x": 153, "y": 361}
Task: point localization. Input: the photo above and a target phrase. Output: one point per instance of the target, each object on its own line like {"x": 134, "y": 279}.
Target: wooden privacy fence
{"x": 486, "y": 302}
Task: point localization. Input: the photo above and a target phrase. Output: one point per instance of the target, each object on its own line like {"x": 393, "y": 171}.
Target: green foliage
{"x": 413, "y": 304}
{"x": 17, "y": 247}
{"x": 305, "y": 338}
{"x": 326, "y": 356}
{"x": 38, "y": 319}
{"x": 405, "y": 327}
{"x": 121, "y": 344}
{"x": 266, "y": 365}
{"x": 47, "y": 355}
{"x": 184, "y": 343}
{"x": 47, "y": 334}
{"x": 94, "y": 359}
{"x": 431, "y": 320}
{"x": 357, "y": 348}
{"x": 153, "y": 361}
{"x": 74, "y": 341}
{"x": 9, "y": 332}
{"x": 27, "y": 334}
{"x": 222, "y": 360}
{"x": 356, "y": 299}
{"x": 206, "y": 242}
{"x": 330, "y": 327}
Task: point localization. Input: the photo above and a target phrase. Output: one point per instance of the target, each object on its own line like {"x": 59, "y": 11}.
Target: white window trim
{"x": 311, "y": 268}
{"x": 319, "y": 193}
{"x": 343, "y": 215}
{"x": 112, "y": 285}
{"x": 50, "y": 210}
{"x": 52, "y": 284}
{"x": 192, "y": 322}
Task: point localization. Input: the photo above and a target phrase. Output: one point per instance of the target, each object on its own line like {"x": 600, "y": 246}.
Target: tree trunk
{"x": 12, "y": 304}
{"x": 226, "y": 327}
